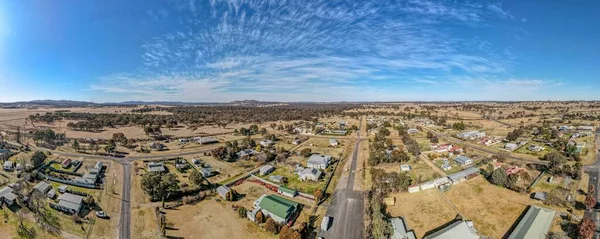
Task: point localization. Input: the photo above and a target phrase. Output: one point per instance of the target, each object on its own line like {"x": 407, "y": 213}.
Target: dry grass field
{"x": 321, "y": 145}
{"x": 211, "y": 219}
{"x": 492, "y": 209}
{"x": 423, "y": 211}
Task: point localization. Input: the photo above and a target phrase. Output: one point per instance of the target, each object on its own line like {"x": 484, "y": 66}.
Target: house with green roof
{"x": 535, "y": 223}
{"x": 276, "y": 207}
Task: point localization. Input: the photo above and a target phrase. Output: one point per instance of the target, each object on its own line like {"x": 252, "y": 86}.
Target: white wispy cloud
{"x": 255, "y": 47}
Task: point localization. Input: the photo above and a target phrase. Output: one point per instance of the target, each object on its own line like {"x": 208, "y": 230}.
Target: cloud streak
{"x": 300, "y": 47}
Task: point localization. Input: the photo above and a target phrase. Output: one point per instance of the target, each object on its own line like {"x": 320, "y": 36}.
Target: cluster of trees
{"x": 515, "y": 134}
{"x": 411, "y": 145}
{"x": 499, "y": 177}
{"x": 160, "y": 186}
{"x": 558, "y": 165}
{"x": 197, "y": 115}
{"x": 252, "y": 130}
{"x": 383, "y": 150}
{"x": 432, "y": 138}
{"x": 459, "y": 126}
{"x": 263, "y": 155}
{"x": 152, "y": 130}
{"x": 48, "y": 136}
{"x": 390, "y": 182}
{"x": 379, "y": 226}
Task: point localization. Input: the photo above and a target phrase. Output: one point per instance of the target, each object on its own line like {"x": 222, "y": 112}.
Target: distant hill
{"x": 56, "y": 103}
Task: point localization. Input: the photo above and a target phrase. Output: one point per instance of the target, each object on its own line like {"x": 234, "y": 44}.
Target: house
{"x": 564, "y": 127}
{"x": 5, "y": 154}
{"x": 446, "y": 167}
{"x": 588, "y": 128}
{"x": 471, "y": 135}
{"x": 7, "y": 196}
{"x": 286, "y": 191}
{"x": 336, "y": 132}
{"x": 412, "y": 131}
{"x": 70, "y": 203}
{"x": 514, "y": 169}
{"x": 455, "y": 149}
{"x": 157, "y": 146}
{"x": 42, "y": 187}
{"x": 66, "y": 163}
{"x": 458, "y": 230}
{"x": 400, "y": 230}
{"x": 463, "y": 160}
{"x": 277, "y": 179}
{"x": 246, "y": 152}
{"x": 298, "y": 170}
{"x": 511, "y": 146}
{"x": 443, "y": 148}
{"x": 223, "y": 190}
{"x": 463, "y": 175}
{"x": 296, "y": 142}
{"x": 206, "y": 172}
{"x": 539, "y": 196}
{"x": 535, "y": 224}
{"x": 266, "y": 142}
{"x": 318, "y": 161}
{"x": 333, "y": 142}
{"x": 310, "y": 174}
{"x": 156, "y": 167}
{"x": 267, "y": 169}
{"x": 535, "y": 148}
{"x": 279, "y": 209}
{"x": 405, "y": 167}
{"x": 206, "y": 140}
{"x": 8, "y": 165}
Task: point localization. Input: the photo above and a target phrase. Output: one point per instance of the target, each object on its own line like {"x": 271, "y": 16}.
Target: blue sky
{"x": 310, "y": 50}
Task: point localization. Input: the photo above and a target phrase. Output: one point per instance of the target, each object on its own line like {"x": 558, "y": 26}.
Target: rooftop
{"x": 535, "y": 224}
{"x": 279, "y": 206}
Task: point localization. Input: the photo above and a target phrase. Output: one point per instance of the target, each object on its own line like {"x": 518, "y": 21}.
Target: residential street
{"x": 347, "y": 205}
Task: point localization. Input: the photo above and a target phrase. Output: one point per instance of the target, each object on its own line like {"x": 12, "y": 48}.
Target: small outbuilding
{"x": 223, "y": 190}
{"x": 267, "y": 169}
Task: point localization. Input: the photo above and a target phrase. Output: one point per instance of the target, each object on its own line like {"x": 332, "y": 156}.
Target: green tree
{"x": 38, "y": 158}
{"x": 499, "y": 177}
{"x": 75, "y": 145}
{"x": 196, "y": 178}
{"x": 306, "y": 152}
{"x": 159, "y": 185}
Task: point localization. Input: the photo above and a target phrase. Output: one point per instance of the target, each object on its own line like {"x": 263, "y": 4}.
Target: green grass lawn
{"x": 294, "y": 181}
{"x": 58, "y": 166}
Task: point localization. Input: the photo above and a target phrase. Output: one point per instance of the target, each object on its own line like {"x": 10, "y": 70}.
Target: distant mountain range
{"x": 71, "y": 103}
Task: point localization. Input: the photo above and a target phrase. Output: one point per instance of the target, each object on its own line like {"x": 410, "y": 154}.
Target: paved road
{"x": 594, "y": 180}
{"x": 347, "y": 206}
{"x": 125, "y": 221}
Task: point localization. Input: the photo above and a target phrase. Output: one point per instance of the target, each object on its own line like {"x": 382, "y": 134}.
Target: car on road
{"x": 325, "y": 223}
